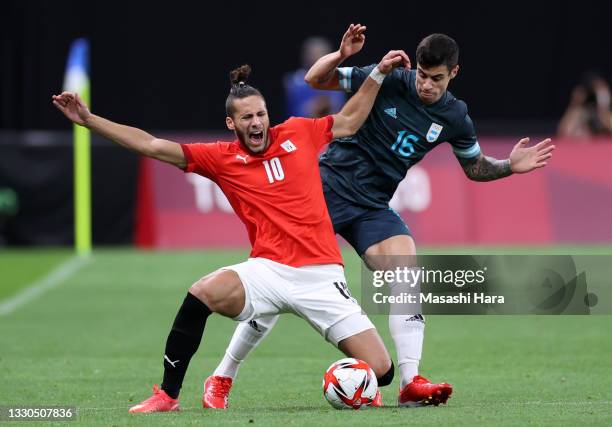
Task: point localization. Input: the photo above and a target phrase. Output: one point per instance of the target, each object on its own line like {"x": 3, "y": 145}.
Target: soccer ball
{"x": 350, "y": 383}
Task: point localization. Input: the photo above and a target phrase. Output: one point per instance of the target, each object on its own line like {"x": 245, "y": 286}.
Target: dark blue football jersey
{"x": 366, "y": 168}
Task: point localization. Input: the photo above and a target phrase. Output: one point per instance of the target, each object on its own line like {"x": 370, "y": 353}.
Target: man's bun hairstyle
{"x": 240, "y": 75}
{"x": 240, "y": 89}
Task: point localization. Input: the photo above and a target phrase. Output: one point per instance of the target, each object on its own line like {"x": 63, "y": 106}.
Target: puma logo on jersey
{"x": 391, "y": 112}
{"x": 243, "y": 158}
{"x": 288, "y": 146}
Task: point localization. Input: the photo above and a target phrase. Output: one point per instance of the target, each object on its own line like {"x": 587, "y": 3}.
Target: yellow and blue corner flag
{"x": 76, "y": 80}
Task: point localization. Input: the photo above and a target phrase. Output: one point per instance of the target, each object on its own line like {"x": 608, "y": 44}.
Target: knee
{"x": 215, "y": 290}
{"x": 202, "y": 290}
{"x": 384, "y": 255}
{"x": 387, "y": 377}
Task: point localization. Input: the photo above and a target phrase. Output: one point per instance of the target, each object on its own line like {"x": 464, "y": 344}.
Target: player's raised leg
{"x": 220, "y": 292}
{"x": 246, "y": 337}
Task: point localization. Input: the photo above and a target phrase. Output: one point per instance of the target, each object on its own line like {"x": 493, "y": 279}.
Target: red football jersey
{"x": 278, "y": 195}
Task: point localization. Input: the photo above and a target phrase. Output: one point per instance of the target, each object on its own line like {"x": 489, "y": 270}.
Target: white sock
{"x": 407, "y": 330}
{"x": 408, "y": 370}
{"x": 228, "y": 367}
{"x": 246, "y": 337}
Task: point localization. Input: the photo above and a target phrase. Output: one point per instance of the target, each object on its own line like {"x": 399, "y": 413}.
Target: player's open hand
{"x": 525, "y": 159}
{"x": 72, "y": 106}
{"x": 353, "y": 40}
{"x": 395, "y": 58}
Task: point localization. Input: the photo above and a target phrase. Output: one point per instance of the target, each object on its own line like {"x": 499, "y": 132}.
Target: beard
{"x": 253, "y": 143}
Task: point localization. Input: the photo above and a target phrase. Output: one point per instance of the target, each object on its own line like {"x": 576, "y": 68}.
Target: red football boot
{"x": 377, "y": 403}
{"x": 421, "y": 392}
{"x": 159, "y": 402}
{"x": 216, "y": 392}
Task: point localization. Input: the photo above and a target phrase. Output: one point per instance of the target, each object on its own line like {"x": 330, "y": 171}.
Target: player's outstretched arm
{"x": 131, "y": 138}
{"x": 356, "y": 110}
{"x": 324, "y": 73}
{"x": 522, "y": 159}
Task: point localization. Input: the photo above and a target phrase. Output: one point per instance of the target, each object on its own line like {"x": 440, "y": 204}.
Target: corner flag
{"x": 76, "y": 80}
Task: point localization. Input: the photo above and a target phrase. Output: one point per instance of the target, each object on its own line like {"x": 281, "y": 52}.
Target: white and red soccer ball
{"x": 350, "y": 384}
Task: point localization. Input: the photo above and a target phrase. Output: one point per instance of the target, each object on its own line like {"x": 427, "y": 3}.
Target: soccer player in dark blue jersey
{"x": 413, "y": 113}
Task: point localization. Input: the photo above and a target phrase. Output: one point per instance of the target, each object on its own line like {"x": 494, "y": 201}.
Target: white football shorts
{"x": 316, "y": 293}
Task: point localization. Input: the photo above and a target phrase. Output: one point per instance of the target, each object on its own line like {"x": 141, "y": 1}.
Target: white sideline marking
{"x": 56, "y": 277}
{"x": 574, "y": 403}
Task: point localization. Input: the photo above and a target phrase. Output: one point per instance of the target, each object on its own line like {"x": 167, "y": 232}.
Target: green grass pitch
{"x": 96, "y": 342}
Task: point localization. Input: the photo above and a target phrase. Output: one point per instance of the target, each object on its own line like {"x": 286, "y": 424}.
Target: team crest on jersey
{"x": 434, "y": 132}
{"x": 288, "y": 146}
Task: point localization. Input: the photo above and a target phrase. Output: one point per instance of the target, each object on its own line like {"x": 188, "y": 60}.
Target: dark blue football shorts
{"x": 361, "y": 226}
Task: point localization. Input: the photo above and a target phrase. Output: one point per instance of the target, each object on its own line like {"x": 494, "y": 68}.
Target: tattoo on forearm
{"x": 484, "y": 168}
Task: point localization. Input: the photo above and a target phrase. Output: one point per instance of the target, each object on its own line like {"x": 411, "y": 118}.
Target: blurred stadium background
{"x": 88, "y": 331}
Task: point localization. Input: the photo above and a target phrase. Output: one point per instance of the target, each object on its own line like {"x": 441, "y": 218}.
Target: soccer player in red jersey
{"x": 270, "y": 176}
